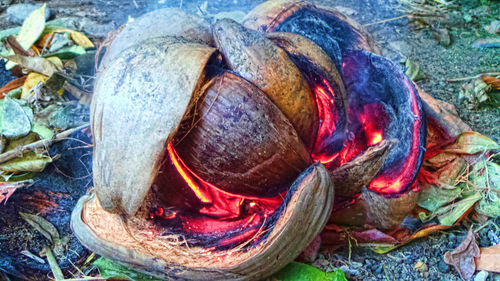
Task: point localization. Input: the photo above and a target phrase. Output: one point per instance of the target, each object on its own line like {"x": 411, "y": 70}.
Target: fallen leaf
{"x": 16, "y": 119}
{"x": 110, "y": 269}
{"x": 489, "y": 259}
{"x": 8, "y": 188}
{"x": 374, "y": 236}
{"x": 36, "y": 64}
{"x": 59, "y": 41}
{"x": 434, "y": 197}
{"x": 31, "y": 81}
{"x": 485, "y": 178}
{"x": 43, "y": 132}
{"x": 426, "y": 231}
{"x": 56, "y": 61}
{"x": 491, "y": 81}
{"x": 30, "y": 31}
{"x": 443, "y": 169}
{"x": 43, "y": 226}
{"x": 29, "y": 162}
{"x": 30, "y": 138}
{"x": 79, "y": 38}
{"x": 54, "y": 266}
{"x": 14, "y": 45}
{"x": 413, "y": 69}
{"x": 12, "y": 85}
{"x": 67, "y": 53}
{"x": 449, "y": 214}
{"x": 472, "y": 143}
{"x": 382, "y": 248}
{"x": 462, "y": 258}
{"x": 482, "y": 91}
{"x": 32, "y": 28}
{"x": 302, "y": 272}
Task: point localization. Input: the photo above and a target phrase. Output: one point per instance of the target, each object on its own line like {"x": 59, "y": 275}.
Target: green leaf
{"x": 42, "y": 225}
{"x": 43, "y": 132}
{"x": 472, "y": 143}
{"x": 16, "y": 118}
{"x": 31, "y": 30}
{"x": 30, "y": 138}
{"x": 434, "y": 197}
{"x": 302, "y": 272}
{"x": 413, "y": 70}
{"x": 54, "y": 267}
{"x": 29, "y": 162}
{"x": 485, "y": 177}
{"x": 381, "y": 249}
{"x": 67, "y": 53}
{"x": 451, "y": 213}
{"x": 111, "y": 269}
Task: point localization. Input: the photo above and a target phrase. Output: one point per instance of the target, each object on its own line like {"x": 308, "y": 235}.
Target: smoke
{"x": 120, "y": 12}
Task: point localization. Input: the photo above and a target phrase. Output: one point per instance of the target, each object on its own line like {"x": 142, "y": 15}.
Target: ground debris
{"x": 462, "y": 258}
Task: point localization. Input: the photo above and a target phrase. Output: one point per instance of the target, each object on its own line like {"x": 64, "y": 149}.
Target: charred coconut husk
{"x": 194, "y": 229}
{"x": 216, "y": 161}
{"x": 334, "y": 32}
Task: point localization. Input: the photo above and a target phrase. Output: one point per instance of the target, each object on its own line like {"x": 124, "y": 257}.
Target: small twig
{"x": 388, "y": 20}
{"x": 11, "y": 154}
{"x": 472, "y": 77}
{"x": 135, "y": 4}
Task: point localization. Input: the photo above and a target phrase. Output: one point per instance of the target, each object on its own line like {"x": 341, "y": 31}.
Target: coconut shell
{"x": 242, "y": 143}
{"x": 322, "y": 75}
{"x": 304, "y": 213}
{"x": 376, "y": 210}
{"x": 334, "y": 32}
{"x": 158, "y": 23}
{"x": 260, "y": 61}
{"x": 350, "y": 178}
{"x": 138, "y": 104}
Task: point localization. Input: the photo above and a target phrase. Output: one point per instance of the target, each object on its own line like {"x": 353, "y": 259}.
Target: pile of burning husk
{"x": 223, "y": 150}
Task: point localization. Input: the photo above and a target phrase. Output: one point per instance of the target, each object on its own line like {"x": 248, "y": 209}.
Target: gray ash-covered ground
{"x": 421, "y": 259}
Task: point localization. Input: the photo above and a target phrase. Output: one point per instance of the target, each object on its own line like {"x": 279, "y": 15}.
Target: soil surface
{"x": 398, "y": 39}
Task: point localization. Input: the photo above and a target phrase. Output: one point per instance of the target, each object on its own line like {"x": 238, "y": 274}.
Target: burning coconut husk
{"x": 235, "y": 144}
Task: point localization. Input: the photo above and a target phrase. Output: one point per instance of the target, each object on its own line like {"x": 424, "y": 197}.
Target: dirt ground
{"x": 398, "y": 39}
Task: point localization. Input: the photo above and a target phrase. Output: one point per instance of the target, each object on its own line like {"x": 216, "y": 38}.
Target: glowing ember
{"x": 323, "y": 152}
{"x": 376, "y": 138}
{"x": 389, "y": 184}
{"x": 214, "y": 216}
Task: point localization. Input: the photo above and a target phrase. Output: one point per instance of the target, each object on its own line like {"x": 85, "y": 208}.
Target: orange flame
{"x": 179, "y": 165}
{"x": 376, "y": 138}
{"x": 326, "y": 112}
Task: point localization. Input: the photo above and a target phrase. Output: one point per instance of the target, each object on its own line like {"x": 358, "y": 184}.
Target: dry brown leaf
{"x": 462, "y": 258}
{"x": 16, "y": 47}
{"x": 37, "y": 64}
{"x": 12, "y": 85}
{"x": 489, "y": 259}
{"x": 491, "y": 81}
